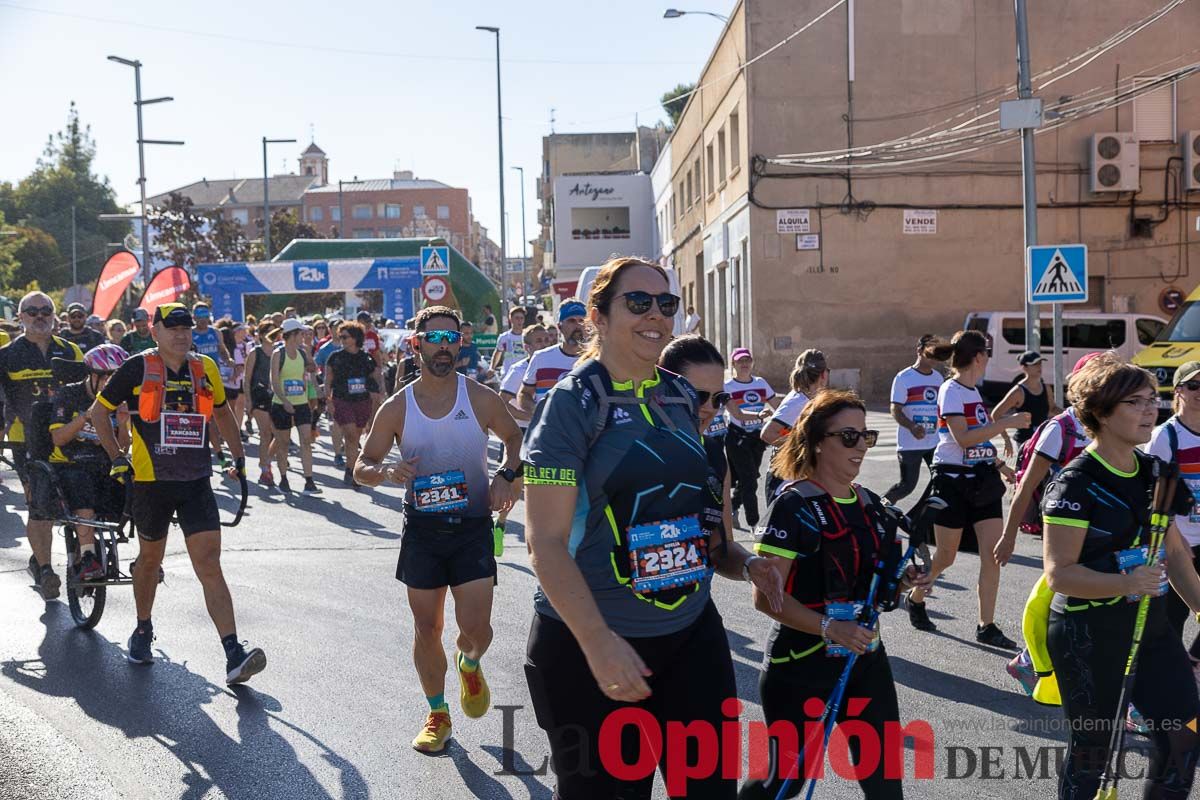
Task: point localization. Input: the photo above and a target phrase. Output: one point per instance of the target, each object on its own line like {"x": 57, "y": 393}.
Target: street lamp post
{"x": 138, "y": 103}
{"x": 675, "y": 13}
{"x": 267, "y": 196}
{"x": 500, "y": 139}
{"x": 524, "y": 238}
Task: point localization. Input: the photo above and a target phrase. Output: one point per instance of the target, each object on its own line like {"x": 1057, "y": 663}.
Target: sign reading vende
{"x": 791, "y": 220}
{"x": 917, "y": 220}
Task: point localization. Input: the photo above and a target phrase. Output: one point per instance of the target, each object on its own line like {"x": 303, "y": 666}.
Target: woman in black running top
{"x": 1029, "y": 394}
{"x": 826, "y": 534}
{"x": 1096, "y": 518}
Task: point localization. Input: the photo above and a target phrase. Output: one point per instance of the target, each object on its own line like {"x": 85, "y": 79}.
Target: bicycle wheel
{"x": 85, "y": 601}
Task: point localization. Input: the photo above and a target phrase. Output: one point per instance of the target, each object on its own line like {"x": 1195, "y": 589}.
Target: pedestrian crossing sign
{"x": 1057, "y": 273}
{"x": 435, "y": 260}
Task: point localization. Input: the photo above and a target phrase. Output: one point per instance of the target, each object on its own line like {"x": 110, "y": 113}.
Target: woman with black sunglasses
{"x": 965, "y": 475}
{"x": 620, "y": 513}
{"x": 697, "y": 361}
{"x": 825, "y": 533}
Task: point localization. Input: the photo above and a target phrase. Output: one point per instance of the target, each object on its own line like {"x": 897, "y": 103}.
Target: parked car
{"x": 1175, "y": 345}
{"x": 1083, "y": 332}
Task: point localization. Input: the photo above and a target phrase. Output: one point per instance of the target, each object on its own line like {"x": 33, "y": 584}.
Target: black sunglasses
{"x": 850, "y": 437}
{"x": 1191, "y": 386}
{"x": 38, "y": 311}
{"x": 639, "y": 302}
{"x": 718, "y": 399}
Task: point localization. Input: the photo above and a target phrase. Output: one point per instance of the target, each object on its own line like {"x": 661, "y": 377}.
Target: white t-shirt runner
{"x": 918, "y": 393}
{"x": 511, "y": 383}
{"x": 1187, "y": 453}
{"x": 956, "y": 400}
{"x": 789, "y": 409}
{"x": 1050, "y": 443}
{"x": 544, "y": 369}
{"x": 511, "y": 347}
{"x": 750, "y": 398}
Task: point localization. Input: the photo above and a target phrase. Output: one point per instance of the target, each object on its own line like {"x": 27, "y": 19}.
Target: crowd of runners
{"x": 638, "y": 456}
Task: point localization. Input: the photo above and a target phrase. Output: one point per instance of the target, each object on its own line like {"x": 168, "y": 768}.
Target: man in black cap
{"x": 173, "y": 395}
{"x": 77, "y": 330}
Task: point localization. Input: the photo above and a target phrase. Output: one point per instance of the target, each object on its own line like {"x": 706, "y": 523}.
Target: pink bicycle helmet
{"x": 105, "y": 357}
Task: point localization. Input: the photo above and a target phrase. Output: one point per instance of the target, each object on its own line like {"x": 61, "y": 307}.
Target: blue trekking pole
{"x": 918, "y": 553}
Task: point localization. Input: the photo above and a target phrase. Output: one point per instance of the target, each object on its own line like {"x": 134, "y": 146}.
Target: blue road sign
{"x": 435, "y": 260}
{"x": 1057, "y": 273}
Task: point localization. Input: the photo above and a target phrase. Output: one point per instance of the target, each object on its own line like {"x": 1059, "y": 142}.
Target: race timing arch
{"x": 390, "y": 266}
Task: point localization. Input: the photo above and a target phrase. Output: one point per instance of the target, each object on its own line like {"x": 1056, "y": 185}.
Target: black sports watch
{"x": 510, "y": 475}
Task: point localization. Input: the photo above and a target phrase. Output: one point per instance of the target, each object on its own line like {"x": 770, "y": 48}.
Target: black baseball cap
{"x": 173, "y": 315}
{"x": 1029, "y": 358}
{"x": 76, "y": 307}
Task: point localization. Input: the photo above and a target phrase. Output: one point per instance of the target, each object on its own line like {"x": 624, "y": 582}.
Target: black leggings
{"x": 910, "y": 473}
{"x": 1089, "y": 650}
{"x": 786, "y": 687}
{"x": 1178, "y": 611}
{"x": 692, "y": 676}
{"x": 744, "y": 449}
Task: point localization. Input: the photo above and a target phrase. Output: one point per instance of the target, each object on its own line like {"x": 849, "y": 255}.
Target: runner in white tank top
{"x": 441, "y": 421}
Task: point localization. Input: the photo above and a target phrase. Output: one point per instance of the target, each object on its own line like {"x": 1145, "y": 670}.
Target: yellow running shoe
{"x": 475, "y": 696}
{"x": 435, "y": 734}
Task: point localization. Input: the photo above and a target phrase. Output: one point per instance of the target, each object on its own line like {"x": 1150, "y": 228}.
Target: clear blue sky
{"x": 418, "y": 92}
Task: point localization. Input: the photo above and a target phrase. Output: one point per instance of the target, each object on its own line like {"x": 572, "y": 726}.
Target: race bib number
{"x": 843, "y": 612}
{"x": 718, "y": 427}
{"x": 979, "y": 454}
{"x": 929, "y": 423}
{"x": 667, "y": 555}
{"x": 226, "y": 373}
{"x": 356, "y": 385}
{"x": 1193, "y": 485}
{"x": 294, "y": 389}
{"x": 754, "y": 423}
{"x": 182, "y": 430}
{"x": 441, "y": 493}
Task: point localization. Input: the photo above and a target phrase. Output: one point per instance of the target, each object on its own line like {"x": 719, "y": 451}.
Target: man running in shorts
{"x": 441, "y": 421}
{"x": 26, "y": 378}
{"x": 173, "y": 395}
{"x": 752, "y": 402}
{"x": 914, "y": 407}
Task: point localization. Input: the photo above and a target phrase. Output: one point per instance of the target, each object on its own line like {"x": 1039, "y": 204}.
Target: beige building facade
{"x": 892, "y": 251}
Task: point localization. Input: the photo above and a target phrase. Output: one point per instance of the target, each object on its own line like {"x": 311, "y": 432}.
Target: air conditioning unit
{"x": 1115, "y": 161}
{"x": 1191, "y": 161}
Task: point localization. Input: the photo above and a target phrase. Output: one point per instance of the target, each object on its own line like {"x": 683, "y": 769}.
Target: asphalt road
{"x": 333, "y": 715}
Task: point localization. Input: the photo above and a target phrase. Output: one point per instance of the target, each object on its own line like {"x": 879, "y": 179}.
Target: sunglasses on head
{"x": 1191, "y": 386}
{"x": 441, "y": 337}
{"x": 718, "y": 399}
{"x": 850, "y": 437}
{"x": 639, "y": 302}
{"x": 38, "y": 311}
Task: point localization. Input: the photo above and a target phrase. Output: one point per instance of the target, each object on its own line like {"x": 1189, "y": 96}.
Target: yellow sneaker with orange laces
{"x": 474, "y": 694}
{"x": 435, "y": 734}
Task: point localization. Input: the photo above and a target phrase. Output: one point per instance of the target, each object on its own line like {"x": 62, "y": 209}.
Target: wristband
{"x": 825, "y": 628}
{"x": 746, "y": 567}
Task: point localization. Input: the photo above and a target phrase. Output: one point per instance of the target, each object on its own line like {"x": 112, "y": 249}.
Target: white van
{"x": 589, "y": 275}
{"x": 1083, "y": 332}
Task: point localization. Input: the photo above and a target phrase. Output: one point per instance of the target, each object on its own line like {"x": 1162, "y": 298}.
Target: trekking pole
{"x": 1167, "y": 476}
{"x": 917, "y": 543}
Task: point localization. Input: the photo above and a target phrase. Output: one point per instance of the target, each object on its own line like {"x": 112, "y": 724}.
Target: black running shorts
{"x": 432, "y": 557}
{"x": 156, "y": 502}
{"x": 284, "y": 421}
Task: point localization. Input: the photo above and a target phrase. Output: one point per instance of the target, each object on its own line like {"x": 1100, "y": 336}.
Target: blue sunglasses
{"x": 441, "y": 337}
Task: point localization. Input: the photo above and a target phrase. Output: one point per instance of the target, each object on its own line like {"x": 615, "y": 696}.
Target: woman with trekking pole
{"x": 1110, "y": 548}
{"x": 828, "y": 538}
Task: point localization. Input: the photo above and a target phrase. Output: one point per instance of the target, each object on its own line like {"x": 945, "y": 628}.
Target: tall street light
{"x": 500, "y": 139}
{"x": 675, "y": 13}
{"x": 524, "y": 239}
{"x": 267, "y": 196}
{"x": 139, "y": 102}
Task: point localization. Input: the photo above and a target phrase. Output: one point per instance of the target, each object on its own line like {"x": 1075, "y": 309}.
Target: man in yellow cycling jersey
{"x": 173, "y": 395}
{"x": 25, "y": 379}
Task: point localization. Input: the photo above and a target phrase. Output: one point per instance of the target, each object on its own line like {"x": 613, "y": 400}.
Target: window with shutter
{"x": 1154, "y": 112}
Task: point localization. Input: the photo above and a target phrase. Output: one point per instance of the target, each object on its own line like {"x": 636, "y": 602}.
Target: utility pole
{"x": 524, "y": 239}
{"x": 267, "y": 196}
{"x": 138, "y": 103}
{"x": 500, "y": 139}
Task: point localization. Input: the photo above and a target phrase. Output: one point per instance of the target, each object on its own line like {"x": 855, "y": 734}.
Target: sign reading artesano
{"x": 598, "y": 216}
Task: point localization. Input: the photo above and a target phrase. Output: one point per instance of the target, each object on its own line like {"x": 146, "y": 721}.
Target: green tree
{"x": 674, "y": 100}
{"x": 62, "y": 179}
{"x": 8, "y": 259}
{"x": 39, "y": 259}
{"x": 285, "y": 226}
